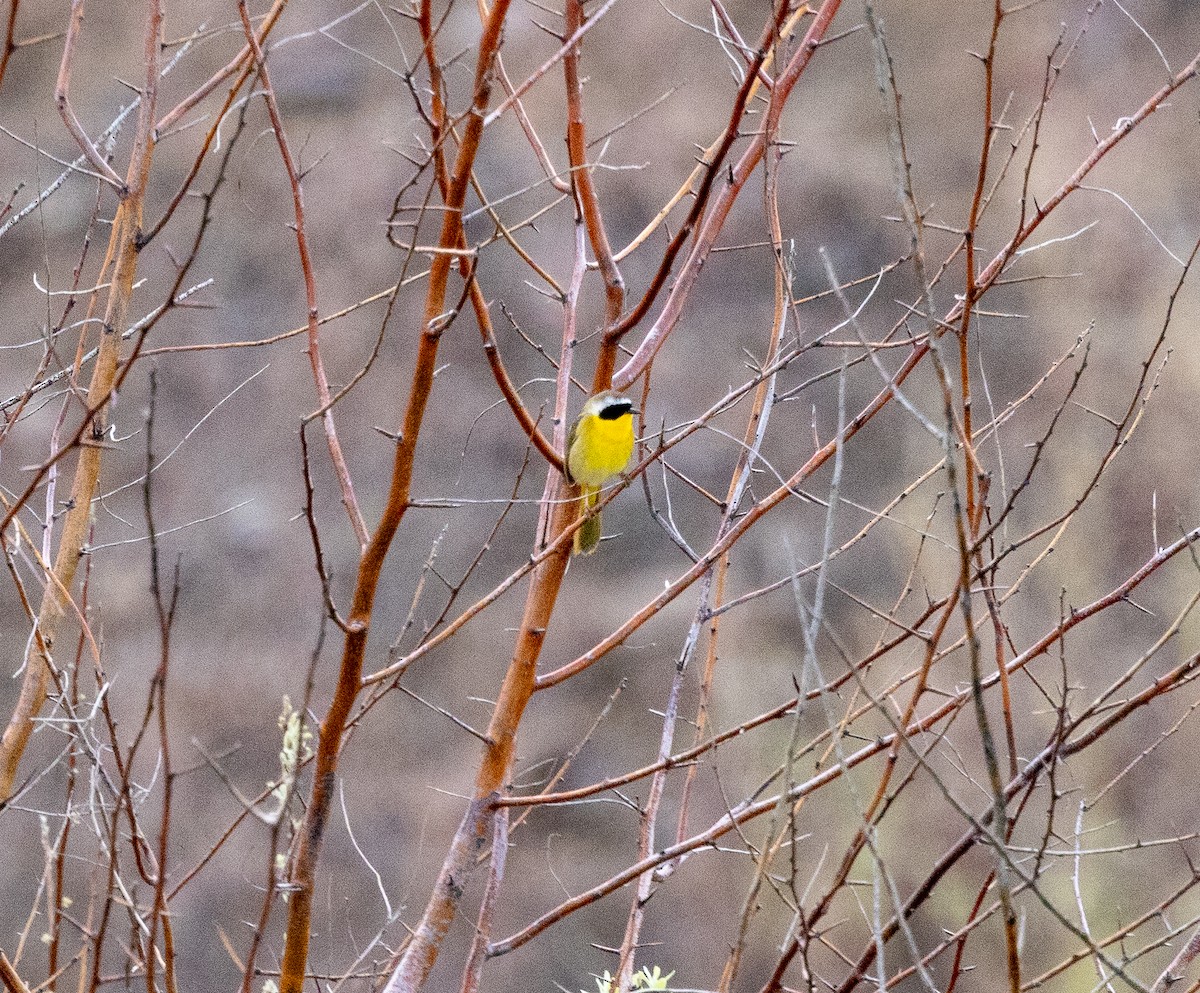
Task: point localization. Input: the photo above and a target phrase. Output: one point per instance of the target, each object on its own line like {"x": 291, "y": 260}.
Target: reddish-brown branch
{"x": 244, "y": 60}
{"x": 706, "y": 159}
{"x": 859, "y": 841}
{"x": 1056, "y": 750}
{"x": 8, "y": 975}
{"x": 165, "y": 608}
{"x": 556, "y": 516}
{"x": 986, "y": 278}
{"x": 969, "y": 297}
{"x": 341, "y": 469}
{"x": 437, "y": 115}
{"x": 707, "y": 232}
{"x": 710, "y": 169}
{"x": 349, "y": 683}
{"x": 507, "y": 387}
{"x": 218, "y": 119}
{"x": 10, "y": 44}
{"x": 587, "y": 199}
{"x": 439, "y": 130}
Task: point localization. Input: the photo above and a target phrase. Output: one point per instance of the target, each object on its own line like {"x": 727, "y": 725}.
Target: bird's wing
{"x": 567, "y": 451}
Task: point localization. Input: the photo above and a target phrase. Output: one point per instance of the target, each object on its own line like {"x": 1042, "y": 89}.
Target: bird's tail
{"x": 587, "y": 538}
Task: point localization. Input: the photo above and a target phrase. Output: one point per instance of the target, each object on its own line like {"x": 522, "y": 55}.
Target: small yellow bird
{"x": 598, "y": 448}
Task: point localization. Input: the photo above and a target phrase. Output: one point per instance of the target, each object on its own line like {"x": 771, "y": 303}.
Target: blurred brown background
{"x": 250, "y": 603}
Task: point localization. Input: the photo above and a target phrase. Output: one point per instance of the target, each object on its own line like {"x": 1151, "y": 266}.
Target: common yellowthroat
{"x": 598, "y": 447}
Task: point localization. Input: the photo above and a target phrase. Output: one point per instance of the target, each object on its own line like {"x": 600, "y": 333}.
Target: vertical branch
{"x": 123, "y": 249}
{"x": 756, "y": 425}
{"x": 887, "y": 89}
{"x": 752, "y": 439}
{"x": 483, "y": 926}
{"x": 966, "y": 525}
{"x": 586, "y": 199}
{"x": 555, "y": 514}
{"x": 989, "y": 131}
{"x": 966, "y": 519}
{"x": 57, "y": 910}
{"x": 649, "y": 815}
{"x": 437, "y": 106}
{"x": 438, "y": 133}
{"x": 165, "y": 608}
{"x": 974, "y": 471}
{"x": 310, "y": 290}
{"x": 974, "y": 653}
{"x": 349, "y": 682}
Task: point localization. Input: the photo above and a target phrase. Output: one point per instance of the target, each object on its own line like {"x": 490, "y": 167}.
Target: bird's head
{"x": 608, "y": 406}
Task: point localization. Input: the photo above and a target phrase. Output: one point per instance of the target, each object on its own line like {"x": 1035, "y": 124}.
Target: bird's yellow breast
{"x": 600, "y": 448}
